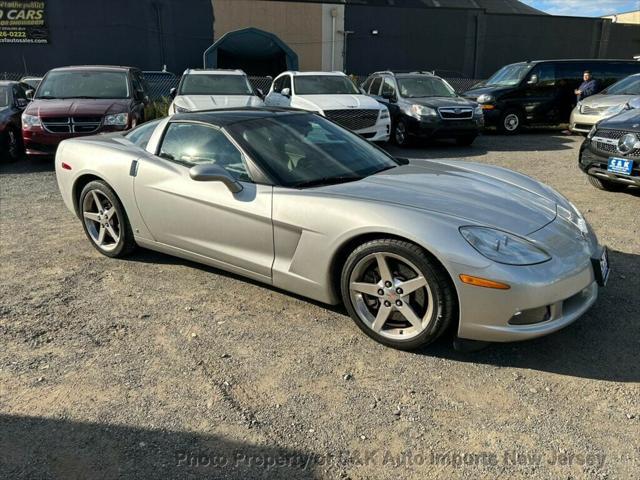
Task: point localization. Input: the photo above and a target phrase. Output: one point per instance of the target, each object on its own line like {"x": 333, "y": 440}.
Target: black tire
{"x": 12, "y": 144}
{"x": 608, "y": 186}
{"x": 400, "y": 134}
{"x": 442, "y": 291}
{"x": 510, "y": 122}
{"x": 126, "y": 242}
{"x": 466, "y": 140}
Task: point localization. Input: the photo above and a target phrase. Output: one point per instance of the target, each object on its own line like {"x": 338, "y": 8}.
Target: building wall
{"x": 473, "y": 43}
{"x": 304, "y": 27}
{"x": 627, "y": 17}
{"x": 145, "y": 33}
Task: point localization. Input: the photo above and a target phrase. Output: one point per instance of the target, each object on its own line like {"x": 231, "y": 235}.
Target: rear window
{"x": 84, "y": 84}
{"x": 5, "y": 96}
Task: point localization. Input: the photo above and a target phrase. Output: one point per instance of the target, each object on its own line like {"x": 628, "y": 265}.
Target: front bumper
{"x": 380, "y": 132}
{"x": 39, "y": 142}
{"x": 564, "y": 287}
{"x": 595, "y": 164}
{"x": 439, "y": 128}
{"x": 582, "y": 123}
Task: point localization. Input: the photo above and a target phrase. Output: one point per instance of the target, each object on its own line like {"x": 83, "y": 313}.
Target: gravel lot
{"x": 155, "y": 367}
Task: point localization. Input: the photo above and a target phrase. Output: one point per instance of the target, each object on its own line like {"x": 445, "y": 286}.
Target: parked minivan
{"x": 82, "y": 100}
{"x": 541, "y": 91}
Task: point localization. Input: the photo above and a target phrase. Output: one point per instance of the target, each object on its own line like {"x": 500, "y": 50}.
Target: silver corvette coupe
{"x": 412, "y": 248}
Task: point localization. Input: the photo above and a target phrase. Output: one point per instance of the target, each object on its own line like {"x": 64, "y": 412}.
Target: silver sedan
{"x": 411, "y": 248}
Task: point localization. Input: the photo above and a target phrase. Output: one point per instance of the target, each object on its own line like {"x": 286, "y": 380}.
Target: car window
{"x": 375, "y": 86}
{"x": 325, "y": 85}
{"x": 277, "y": 84}
{"x": 388, "y": 89}
{"x": 5, "y": 96}
{"x": 141, "y": 135}
{"x": 367, "y": 83}
{"x": 214, "y": 84}
{"x": 192, "y": 144}
{"x": 96, "y": 84}
{"x": 287, "y": 82}
{"x": 19, "y": 92}
{"x": 546, "y": 73}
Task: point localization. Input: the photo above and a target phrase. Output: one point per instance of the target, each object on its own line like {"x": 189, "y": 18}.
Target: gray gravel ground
{"x": 154, "y": 367}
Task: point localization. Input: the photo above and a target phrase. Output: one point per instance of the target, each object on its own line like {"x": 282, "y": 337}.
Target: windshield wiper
{"x": 328, "y": 181}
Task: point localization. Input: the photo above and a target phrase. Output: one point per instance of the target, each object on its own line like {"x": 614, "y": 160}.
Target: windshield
{"x": 84, "y": 84}
{"x": 214, "y": 84}
{"x": 626, "y": 86}
{"x": 324, "y": 85}
{"x": 5, "y": 96}
{"x": 509, "y": 75}
{"x": 417, "y": 87}
{"x": 304, "y": 150}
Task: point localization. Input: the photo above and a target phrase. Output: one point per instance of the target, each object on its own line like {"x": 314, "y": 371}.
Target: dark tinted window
{"x": 191, "y": 144}
{"x": 424, "y": 86}
{"x": 5, "y": 95}
{"x": 627, "y": 86}
{"x": 286, "y": 82}
{"x": 546, "y": 73}
{"x": 324, "y": 85}
{"x": 367, "y": 83}
{"x": 375, "y": 86}
{"x": 388, "y": 88}
{"x": 277, "y": 84}
{"x": 19, "y": 92}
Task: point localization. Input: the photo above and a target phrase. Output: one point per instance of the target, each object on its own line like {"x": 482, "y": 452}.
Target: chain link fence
{"x": 161, "y": 83}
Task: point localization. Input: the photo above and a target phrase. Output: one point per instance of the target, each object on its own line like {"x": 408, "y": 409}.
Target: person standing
{"x": 588, "y": 87}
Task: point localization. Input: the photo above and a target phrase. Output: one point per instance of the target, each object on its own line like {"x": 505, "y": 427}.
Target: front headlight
{"x": 178, "y": 109}
{"x": 422, "y": 111}
{"x": 478, "y": 110}
{"x": 573, "y": 216}
{"x": 119, "y": 119}
{"x": 384, "y": 113}
{"x": 30, "y": 120}
{"x": 485, "y": 98}
{"x": 503, "y": 247}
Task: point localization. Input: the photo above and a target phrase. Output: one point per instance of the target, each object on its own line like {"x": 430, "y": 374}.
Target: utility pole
{"x": 346, "y": 34}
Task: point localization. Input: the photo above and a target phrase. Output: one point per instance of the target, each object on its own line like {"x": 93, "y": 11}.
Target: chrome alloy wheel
{"x": 101, "y": 219}
{"x": 391, "y": 296}
{"x": 511, "y": 122}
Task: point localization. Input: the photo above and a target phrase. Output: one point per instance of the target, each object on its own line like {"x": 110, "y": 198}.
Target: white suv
{"x": 335, "y": 96}
{"x": 211, "y": 89}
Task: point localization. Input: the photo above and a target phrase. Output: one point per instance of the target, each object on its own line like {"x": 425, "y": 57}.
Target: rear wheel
{"x": 105, "y": 221}
{"x": 607, "y": 185}
{"x": 510, "y": 122}
{"x": 13, "y": 144}
{"x": 396, "y": 294}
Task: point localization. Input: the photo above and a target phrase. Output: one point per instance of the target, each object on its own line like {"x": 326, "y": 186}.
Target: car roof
{"x": 93, "y": 67}
{"x": 224, "y": 117}
{"x": 296, "y": 73}
{"x": 212, "y": 71}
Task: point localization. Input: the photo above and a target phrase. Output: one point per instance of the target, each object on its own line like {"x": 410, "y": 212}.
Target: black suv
{"x": 424, "y": 105}
{"x": 541, "y": 91}
{"x": 610, "y": 155}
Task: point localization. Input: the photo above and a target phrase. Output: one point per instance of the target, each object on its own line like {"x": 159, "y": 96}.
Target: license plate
{"x": 601, "y": 267}
{"x": 622, "y": 166}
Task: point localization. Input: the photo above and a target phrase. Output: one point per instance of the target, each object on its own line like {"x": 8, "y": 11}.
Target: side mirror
{"x": 208, "y": 172}
{"x": 22, "y": 102}
{"x": 391, "y": 97}
{"x": 29, "y": 94}
{"x": 402, "y": 160}
{"x": 634, "y": 103}
{"x": 172, "y": 92}
{"x": 286, "y": 92}
{"x": 533, "y": 79}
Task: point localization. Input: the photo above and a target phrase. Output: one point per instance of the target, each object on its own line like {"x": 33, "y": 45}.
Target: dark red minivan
{"x": 82, "y": 100}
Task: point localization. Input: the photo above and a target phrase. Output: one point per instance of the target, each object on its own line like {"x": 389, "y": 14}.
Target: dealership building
{"x": 457, "y": 38}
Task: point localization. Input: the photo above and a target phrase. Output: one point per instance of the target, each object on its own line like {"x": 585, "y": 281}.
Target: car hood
{"x": 438, "y": 102}
{"x": 209, "y": 102}
{"x": 474, "y": 93}
{"x": 474, "y": 193}
{"x": 335, "y": 102}
{"x": 77, "y": 106}
{"x": 600, "y": 100}
{"x": 627, "y": 120}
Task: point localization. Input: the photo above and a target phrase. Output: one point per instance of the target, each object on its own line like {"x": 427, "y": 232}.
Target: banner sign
{"x": 23, "y": 21}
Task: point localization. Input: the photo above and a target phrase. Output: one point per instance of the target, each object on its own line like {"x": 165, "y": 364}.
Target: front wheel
{"x": 606, "y": 185}
{"x": 510, "y": 122}
{"x": 396, "y": 294}
{"x": 13, "y": 144}
{"x": 105, "y": 221}
{"x": 400, "y": 134}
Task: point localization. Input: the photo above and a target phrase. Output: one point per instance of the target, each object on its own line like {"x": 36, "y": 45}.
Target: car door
{"x": 205, "y": 218}
{"x": 389, "y": 96}
{"x": 542, "y": 95}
